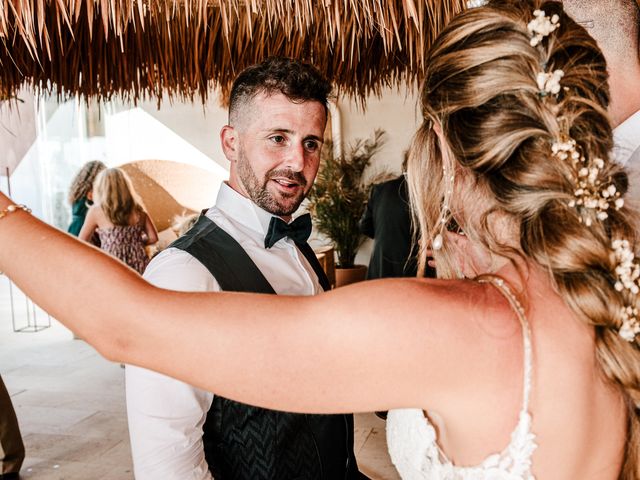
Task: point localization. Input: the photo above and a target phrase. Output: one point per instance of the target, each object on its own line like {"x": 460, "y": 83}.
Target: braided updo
{"x": 482, "y": 90}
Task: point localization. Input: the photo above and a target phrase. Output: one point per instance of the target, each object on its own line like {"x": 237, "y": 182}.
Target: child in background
{"x": 119, "y": 220}
{"x": 81, "y": 194}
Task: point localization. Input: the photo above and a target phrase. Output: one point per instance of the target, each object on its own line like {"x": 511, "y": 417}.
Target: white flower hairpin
{"x": 549, "y": 83}
{"x": 627, "y": 274}
{"x": 541, "y": 26}
{"x": 591, "y": 191}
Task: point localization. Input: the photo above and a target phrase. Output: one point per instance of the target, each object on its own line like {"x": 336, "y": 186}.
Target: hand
{"x": 430, "y": 261}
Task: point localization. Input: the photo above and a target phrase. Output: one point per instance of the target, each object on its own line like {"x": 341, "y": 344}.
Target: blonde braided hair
{"x": 500, "y": 120}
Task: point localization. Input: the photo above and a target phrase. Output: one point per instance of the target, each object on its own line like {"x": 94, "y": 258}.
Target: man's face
{"x": 274, "y": 150}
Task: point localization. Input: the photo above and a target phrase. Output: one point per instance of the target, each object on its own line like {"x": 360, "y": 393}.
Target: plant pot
{"x": 345, "y": 276}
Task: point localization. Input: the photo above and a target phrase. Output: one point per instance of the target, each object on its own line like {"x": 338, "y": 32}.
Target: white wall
{"x": 197, "y": 124}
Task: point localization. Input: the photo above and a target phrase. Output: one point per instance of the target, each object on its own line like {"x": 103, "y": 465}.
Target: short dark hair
{"x": 298, "y": 81}
{"x": 615, "y": 24}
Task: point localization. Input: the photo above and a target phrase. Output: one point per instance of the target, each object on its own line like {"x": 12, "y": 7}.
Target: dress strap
{"x": 504, "y": 288}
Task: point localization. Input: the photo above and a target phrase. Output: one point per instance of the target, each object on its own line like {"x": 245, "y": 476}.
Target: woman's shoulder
{"x": 464, "y": 299}
{"x": 464, "y": 336}
{"x": 99, "y": 217}
{"x": 453, "y": 320}
{"x": 95, "y": 211}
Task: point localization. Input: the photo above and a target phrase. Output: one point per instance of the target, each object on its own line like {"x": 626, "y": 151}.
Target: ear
{"x": 437, "y": 128}
{"x": 229, "y": 142}
{"x": 447, "y": 158}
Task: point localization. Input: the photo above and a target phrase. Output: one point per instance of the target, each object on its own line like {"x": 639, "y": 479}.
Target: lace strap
{"x": 504, "y": 288}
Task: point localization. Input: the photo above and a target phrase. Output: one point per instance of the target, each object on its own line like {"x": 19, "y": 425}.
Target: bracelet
{"x": 13, "y": 208}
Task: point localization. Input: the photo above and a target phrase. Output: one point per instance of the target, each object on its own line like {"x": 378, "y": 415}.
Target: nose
{"x": 296, "y": 157}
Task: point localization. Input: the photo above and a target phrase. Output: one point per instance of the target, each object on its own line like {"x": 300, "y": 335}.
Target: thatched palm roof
{"x": 138, "y": 48}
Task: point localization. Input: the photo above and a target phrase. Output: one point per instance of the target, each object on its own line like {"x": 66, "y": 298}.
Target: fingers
{"x": 430, "y": 261}
{"x": 460, "y": 242}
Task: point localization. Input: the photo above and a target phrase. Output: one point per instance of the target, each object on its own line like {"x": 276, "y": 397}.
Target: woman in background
{"x": 81, "y": 194}
{"x": 124, "y": 228}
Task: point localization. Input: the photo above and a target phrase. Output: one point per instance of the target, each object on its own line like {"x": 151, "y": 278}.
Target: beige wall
{"x": 394, "y": 111}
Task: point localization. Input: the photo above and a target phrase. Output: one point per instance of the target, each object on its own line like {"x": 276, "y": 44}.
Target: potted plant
{"x": 338, "y": 199}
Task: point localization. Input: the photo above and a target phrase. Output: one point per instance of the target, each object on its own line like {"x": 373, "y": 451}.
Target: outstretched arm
{"x": 372, "y": 346}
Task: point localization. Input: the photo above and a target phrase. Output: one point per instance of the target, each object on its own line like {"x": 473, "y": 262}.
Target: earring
{"x": 438, "y": 240}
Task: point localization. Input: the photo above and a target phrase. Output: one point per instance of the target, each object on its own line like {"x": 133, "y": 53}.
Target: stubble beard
{"x": 282, "y": 205}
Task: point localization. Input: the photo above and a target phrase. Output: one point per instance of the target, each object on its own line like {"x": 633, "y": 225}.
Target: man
{"x": 277, "y": 116}
{"x": 387, "y": 220}
{"x": 615, "y": 25}
{"x": 11, "y": 446}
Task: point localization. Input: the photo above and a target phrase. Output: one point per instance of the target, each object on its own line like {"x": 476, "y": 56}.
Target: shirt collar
{"x": 242, "y": 210}
{"x": 626, "y": 138}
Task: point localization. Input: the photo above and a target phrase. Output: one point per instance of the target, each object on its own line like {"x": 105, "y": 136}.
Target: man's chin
{"x": 285, "y": 206}
{"x": 285, "y": 210}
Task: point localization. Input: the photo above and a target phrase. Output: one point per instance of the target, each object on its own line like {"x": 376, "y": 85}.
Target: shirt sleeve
{"x": 166, "y": 415}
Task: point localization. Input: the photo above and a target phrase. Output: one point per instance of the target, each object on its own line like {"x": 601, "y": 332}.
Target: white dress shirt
{"x": 626, "y": 151}
{"x": 626, "y": 137}
{"x": 165, "y": 415}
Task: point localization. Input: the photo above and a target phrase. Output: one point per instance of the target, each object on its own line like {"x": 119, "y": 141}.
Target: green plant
{"x": 339, "y": 195}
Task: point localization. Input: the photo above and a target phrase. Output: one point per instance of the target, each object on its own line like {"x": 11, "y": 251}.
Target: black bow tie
{"x": 298, "y": 230}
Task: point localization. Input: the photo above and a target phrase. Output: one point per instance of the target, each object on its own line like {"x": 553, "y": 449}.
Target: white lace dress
{"x": 413, "y": 444}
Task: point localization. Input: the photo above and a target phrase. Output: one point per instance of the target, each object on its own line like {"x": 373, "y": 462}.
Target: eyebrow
{"x": 314, "y": 137}
{"x": 286, "y": 130}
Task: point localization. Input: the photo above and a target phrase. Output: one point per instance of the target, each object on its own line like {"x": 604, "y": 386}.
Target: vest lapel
{"x": 223, "y": 256}
{"x": 310, "y": 255}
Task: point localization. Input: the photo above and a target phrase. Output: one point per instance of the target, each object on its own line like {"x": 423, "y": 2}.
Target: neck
{"x": 625, "y": 94}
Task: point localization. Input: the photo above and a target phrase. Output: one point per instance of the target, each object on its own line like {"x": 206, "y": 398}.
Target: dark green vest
{"x": 242, "y": 442}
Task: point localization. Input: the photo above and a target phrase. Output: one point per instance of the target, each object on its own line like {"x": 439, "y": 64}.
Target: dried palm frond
{"x": 144, "y": 48}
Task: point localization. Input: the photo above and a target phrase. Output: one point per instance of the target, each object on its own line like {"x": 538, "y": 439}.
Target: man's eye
{"x": 277, "y": 139}
{"x": 311, "y": 145}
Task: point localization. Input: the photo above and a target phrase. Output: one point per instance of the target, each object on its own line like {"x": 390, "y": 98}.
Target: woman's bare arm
{"x": 89, "y": 226}
{"x": 376, "y": 345}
